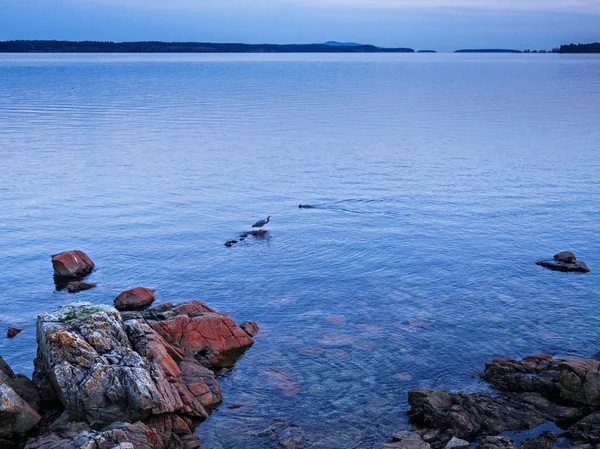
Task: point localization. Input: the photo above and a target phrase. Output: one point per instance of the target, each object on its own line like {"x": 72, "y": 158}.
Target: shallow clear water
{"x": 438, "y": 181}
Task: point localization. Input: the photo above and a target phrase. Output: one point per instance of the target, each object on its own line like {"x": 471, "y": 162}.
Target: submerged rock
{"x": 72, "y": 264}
{"x": 138, "y": 298}
{"x": 77, "y": 286}
{"x": 565, "y": 261}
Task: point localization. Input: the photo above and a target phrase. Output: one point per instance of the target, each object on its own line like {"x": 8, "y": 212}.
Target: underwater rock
{"x": 138, "y": 298}
{"x": 72, "y": 264}
{"x": 77, "y": 286}
{"x": 12, "y": 332}
{"x": 565, "y": 261}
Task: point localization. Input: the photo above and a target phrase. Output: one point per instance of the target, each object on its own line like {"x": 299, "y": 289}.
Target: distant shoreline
{"x": 50, "y": 46}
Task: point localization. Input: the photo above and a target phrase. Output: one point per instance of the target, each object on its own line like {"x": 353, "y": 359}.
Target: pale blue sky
{"x": 443, "y": 25}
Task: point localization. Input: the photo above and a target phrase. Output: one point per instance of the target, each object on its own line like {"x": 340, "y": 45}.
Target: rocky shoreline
{"x": 132, "y": 378}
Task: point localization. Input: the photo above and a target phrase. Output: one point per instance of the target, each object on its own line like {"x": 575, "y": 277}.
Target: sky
{"x": 443, "y": 25}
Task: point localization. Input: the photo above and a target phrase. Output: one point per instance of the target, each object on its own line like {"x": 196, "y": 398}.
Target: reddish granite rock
{"x": 77, "y": 286}
{"x": 72, "y": 264}
{"x": 12, "y": 332}
{"x": 194, "y": 327}
{"x": 138, "y": 298}
{"x": 566, "y": 257}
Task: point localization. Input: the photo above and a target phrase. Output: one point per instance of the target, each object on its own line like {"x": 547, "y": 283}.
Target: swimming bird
{"x": 260, "y": 223}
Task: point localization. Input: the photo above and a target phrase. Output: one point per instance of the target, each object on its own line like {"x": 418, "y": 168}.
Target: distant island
{"x": 579, "y": 48}
{"x": 488, "y": 50}
{"x": 427, "y": 51}
{"x": 51, "y": 46}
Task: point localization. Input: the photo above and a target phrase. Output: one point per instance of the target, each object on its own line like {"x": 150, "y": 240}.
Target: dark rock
{"x": 545, "y": 440}
{"x": 77, "y": 286}
{"x": 138, "y": 298}
{"x": 250, "y": 327}
{"x": 12, "y": 332}
{"x": 565, "y": 261}
{"x": 587, "y": 430}
{"x": 259, "y": 233}
{"x": 17, "y": 416}
{"x": 574, "y": 382}
{"x": 306, "y": 206}
{"x": 576, "y": 267}
{"x": 407, "y": 440}
{"x": 496, "y": 442}
{"x": 457, "y": 443}
{"x": 565, "y": 257}
{"x": 230, "y": 243}
{"x": 235, "y": 406}
{"x": 72, "y": 264}
{"x": 470, "y": 416}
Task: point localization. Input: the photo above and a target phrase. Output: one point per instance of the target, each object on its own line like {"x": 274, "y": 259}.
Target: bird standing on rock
{"x": 259, "y": 224}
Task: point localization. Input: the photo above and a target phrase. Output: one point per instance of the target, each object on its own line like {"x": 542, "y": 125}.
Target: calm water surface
{"x": 439, "y": 180}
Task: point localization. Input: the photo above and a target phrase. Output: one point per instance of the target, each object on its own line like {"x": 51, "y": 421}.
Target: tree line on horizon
{"x": 54, "y": 46}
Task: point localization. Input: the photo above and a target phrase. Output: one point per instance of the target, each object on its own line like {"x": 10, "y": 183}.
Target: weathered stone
{"x": 196, "y": 329}
{"x": 72, "y": 264}
{"x": 250, "y": 327}
{"x": 587, "y": 429}
{"x": 545, "y": 440}
{"x": 78, "y": 286}
{"x": 18, "y": 404}
{"x": 496, "y": 442}
{"x": 101, "y": 377}
{"x": 457, "y": 443}
{"x": 12, "y": 332}
{"x": 407, "y": 440}
{"x": 138, "y": 298}
{"x": 574, "y": 381}
{"x": 469, "y": 416}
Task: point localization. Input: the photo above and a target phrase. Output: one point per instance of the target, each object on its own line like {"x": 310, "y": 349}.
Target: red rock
{"x": 13, "y": 332}
{"x": 72, "y": 264}
{"x": 135, "y": 299}
{"x": 234, "y": 406}
{"x": 250, "y": 327}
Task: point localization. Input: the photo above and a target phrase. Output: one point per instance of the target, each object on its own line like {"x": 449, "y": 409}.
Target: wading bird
{"x": 259, "y": 224}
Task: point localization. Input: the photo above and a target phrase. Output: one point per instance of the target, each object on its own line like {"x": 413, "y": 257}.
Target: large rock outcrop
{"x": 101, "y": 377}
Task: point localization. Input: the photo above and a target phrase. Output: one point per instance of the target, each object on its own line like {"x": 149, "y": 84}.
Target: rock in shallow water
{"x": 72, "y": 264}
{"x": 77, "y": 286}
{"x": 12, "y": 332}
{"x": 565, "y": 261}
{"x": 138, "y": 298}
